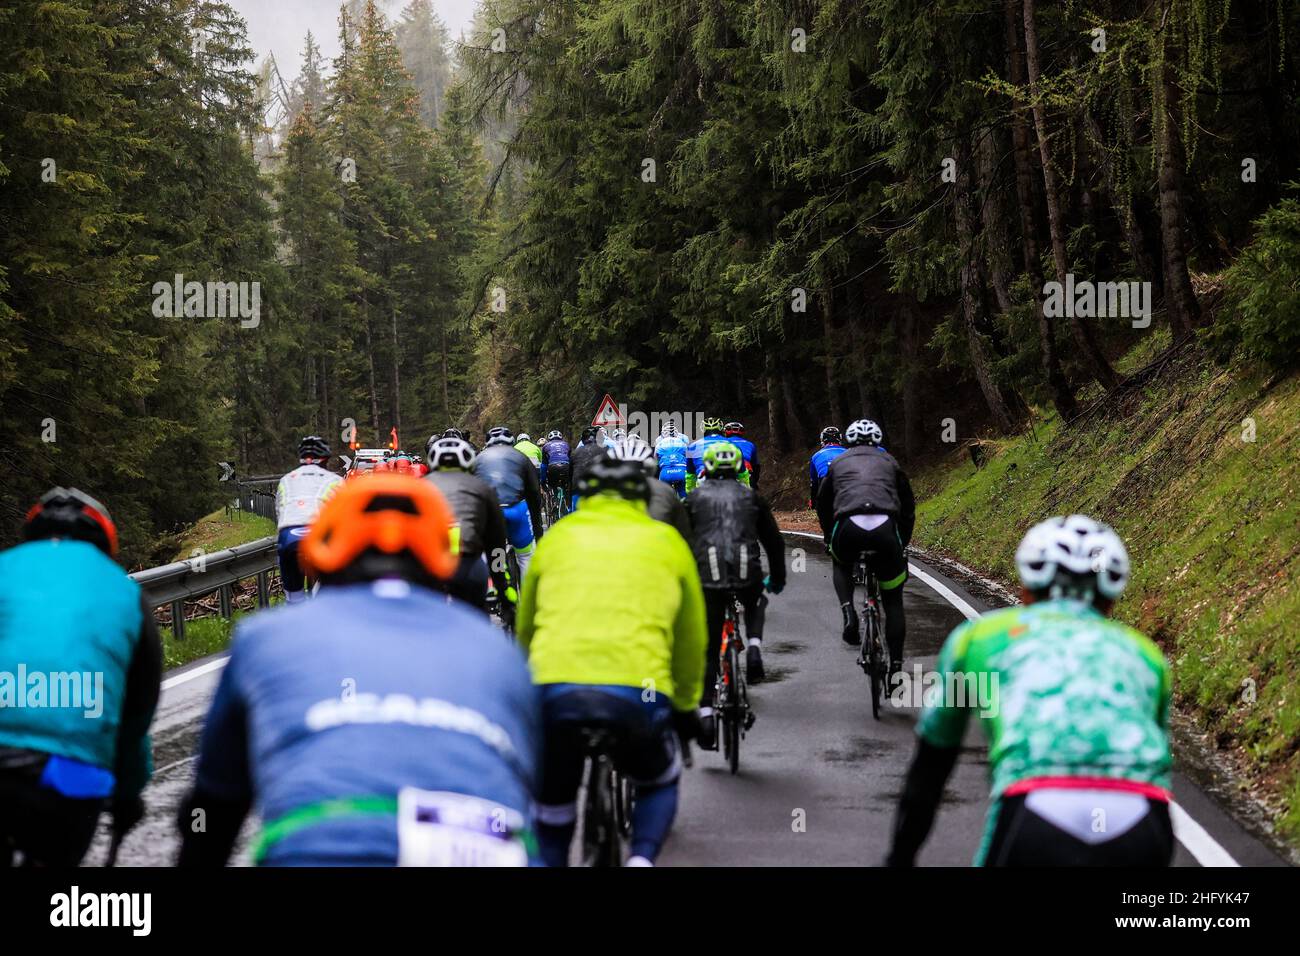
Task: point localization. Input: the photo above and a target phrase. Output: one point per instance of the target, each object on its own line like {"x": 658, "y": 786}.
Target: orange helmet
{"x": 385, "y": 512}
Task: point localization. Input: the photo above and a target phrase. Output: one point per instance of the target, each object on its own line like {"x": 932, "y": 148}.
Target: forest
{"x": 950, "y": 214}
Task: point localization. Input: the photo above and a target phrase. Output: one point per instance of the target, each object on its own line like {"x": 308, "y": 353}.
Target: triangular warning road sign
{"x": 608, "y": 415}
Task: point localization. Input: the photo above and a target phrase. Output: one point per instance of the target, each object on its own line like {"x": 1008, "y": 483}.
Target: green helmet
{"x": 722, "y": 458}
{"x": 711, "y": 426}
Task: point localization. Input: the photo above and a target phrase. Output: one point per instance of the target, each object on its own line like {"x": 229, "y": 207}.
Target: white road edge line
{"x": 1199, "y": 843}
{"x": 199, "y": 671}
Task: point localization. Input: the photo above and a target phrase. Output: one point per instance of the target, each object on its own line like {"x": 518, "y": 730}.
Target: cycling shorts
{"x": 557, "y": 474}
{"x": 286, "y": 548}
{"x": 876, "y": 536}
{"x": 645, "y": 749}
{"x": 1059, "y": 828}
{"x": 673, "y": 472}
{"x": 519, "y": 525}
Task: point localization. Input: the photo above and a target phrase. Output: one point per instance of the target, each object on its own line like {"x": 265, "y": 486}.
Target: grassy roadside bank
{"x": 1198, "y": 468}
{"x": 214, "y": 532}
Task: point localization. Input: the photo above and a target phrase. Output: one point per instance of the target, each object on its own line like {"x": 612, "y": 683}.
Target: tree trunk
{"x": 993, "y": 214}
{"x": 1062, "y": 394}
{"x": 370, "y": 364}
{"x": 910, "y": 338}
{"x": 972, "y": 295}
{"x": 775, "y": 417}
{"x": 835, "y": 408}
{"x": 1083, "y": 336}
{"x": 1122, "y": 204}
{"x": 858, "y": 336}
{"x": 1180, "y": 299}
{"x": 446, "y": 391}
{"x": 397, "y": 380}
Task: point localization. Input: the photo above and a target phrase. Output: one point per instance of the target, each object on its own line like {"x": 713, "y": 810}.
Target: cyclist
{"x": 628, "y": 657}
{"x": 670, "y": 449}
{"x": 730, "y": 522}
{"x": 556, "y": 469}
{"x": 84, "y": 746}
{"x": 832, "y": 446}
{"x": 865, "y": 506}
{"x": 590, "y": 449}
{"x": 734, "y": 432}
{"x": 525, "y": 444}
{"x": 463, "y": 436}
{"x": 512, "y": 475}
{"x": 479, "y": 534}
{"x": 664, "y": 505}
{"x": 378, "y": 724}
{"x": 298, "y": 498}
{"x": 1078, "y": 724}
{"x": 712, "y": 428}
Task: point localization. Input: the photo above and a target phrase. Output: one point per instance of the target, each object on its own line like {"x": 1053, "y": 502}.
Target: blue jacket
{"x": 670, "y": 451}
{"x": 818, "y": 465}
{"x": 71, "y": 630}
{"x": 695, "y": 453}
{"x": 358, "y": 693}
{"x": 554, "y": 452}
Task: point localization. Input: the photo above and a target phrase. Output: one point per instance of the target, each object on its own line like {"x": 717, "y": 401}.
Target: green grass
{"x": 1212, "y": 523}
{"x": 216, "y": 532}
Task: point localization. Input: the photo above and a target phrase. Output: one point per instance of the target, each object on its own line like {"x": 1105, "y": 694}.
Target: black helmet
{"x": 624, "y": 478}
{"x": 453, "y": 433}
{"x": 830, "y": 435}
{"x": 590, "y": 432}
{"x": 313, "y": 446}
{"x": 69, "y": 513}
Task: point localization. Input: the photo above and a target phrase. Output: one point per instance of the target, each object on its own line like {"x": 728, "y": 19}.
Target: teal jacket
{"x": 80, "y": 663}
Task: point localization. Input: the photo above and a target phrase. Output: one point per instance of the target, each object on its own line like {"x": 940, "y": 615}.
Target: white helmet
{"x": 450, "y": 453}
{"x": 522, "y": 436}
{"x": 863, "y": 432}
{"x": 633, "y": 448}
{"x": 1077, "y": 545}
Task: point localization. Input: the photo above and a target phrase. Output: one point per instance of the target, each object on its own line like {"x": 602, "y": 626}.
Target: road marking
{"x": 199, "y": 671}
{"x": 1199, "y": 843}
{"x": 1204, "y": 848}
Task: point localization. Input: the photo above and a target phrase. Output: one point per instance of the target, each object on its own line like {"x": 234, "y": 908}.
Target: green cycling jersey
{"x": 1061, "y": 691}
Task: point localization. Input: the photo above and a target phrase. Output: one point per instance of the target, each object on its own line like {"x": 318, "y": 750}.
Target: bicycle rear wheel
{"x": 735, "y": 710}
{"x": 875, "y": 665}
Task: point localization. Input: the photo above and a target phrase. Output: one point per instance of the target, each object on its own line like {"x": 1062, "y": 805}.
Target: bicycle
{"x": 606, "y": 822}
{"x": 497, "y": 606}
{"x": 873, "y": 655}
{"x": 730, "y": 694}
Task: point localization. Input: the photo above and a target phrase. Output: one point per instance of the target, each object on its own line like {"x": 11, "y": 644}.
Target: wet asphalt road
{"x": 819, "y": 777}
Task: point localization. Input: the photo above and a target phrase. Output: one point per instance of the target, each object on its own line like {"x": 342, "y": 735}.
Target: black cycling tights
{"x": 754, "y": 602}
{"x": 886, "y": 559}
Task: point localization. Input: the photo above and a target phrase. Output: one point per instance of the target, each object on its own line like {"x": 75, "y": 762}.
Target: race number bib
{"x": 439, "y": 828}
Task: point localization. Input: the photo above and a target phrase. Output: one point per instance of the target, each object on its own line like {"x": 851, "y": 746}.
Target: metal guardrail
{"x": 196, "y": 577}
{"x": 255, "y": 496}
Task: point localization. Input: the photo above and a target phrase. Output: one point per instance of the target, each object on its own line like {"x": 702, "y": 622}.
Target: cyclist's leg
{"x": 889, "y": 562}
{"x": 715, "y": 613}
{"x": 519, "y": 531}
{"x": 469, "y": 584}
{"x": 845, "y": 549}
{"x": 46, "y": 827}
{"x": 650, "y": 757}
{"x": 291, "y": 575}
{"x": 754, "y": 602}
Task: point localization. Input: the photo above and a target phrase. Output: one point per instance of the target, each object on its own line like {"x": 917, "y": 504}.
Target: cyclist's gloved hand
{"x": 776, "y": 587}
{"x": 512, "y": 596}
{"x": 687, "y": 724}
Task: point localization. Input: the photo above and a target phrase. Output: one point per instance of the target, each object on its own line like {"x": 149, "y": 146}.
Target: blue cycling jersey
{"x": 671, "y": 452}
{"x": 695, "y": 453}
{"x": 70, "y": 620}
{"x": 746, "y": 448}
{"x": 360, "y": 693}
{"x": 821, "y": 460}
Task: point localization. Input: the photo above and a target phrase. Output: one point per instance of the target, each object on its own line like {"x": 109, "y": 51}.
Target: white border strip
{"x": 199, "y": 671}
{"x": 1204, "y": 848}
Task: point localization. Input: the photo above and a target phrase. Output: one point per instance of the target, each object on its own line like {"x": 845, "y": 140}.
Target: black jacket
{"x": 477, "y": 510}
{"x": 513, "y": 476}
{"x": 665, "y": 506}
{"x": 866, "y": 480}
{"x": 728, "y": 524}
{"x": 583, "y": 456}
